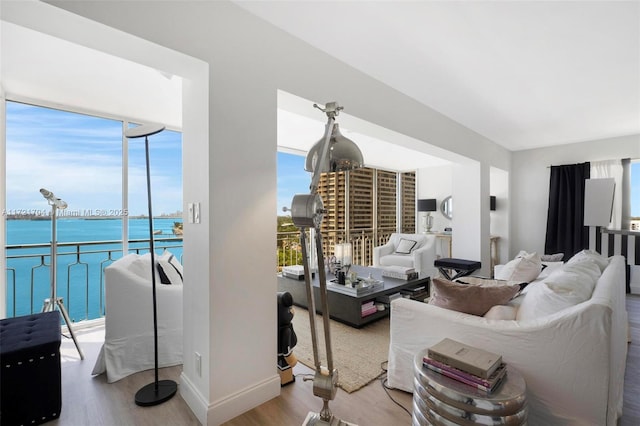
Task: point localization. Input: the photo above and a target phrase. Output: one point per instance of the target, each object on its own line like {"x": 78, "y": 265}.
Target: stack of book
{"x": 419, "y": 293}
{"x": 400, "y": 272}
{"x": 475, "y": 367}
{"x": 369, "y": 308}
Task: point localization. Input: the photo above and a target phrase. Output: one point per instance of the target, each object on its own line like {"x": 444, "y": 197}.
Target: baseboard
{"x": 194, "y": 399}
{"x": 231, "y": 406}
{"x": 244, "y": 400}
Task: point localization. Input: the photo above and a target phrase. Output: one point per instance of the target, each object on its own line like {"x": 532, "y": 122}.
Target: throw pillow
{"x": 578, "y": 279}
{"x": 524, "y": 268}
{"x": 468, "y": 298}
{"x": 164, "y": 279}
{"x": 557, "y": 257}
{"x": 548, "y": 268}
{"x": 405, "y": 246}
{"x": 565, "y": 287}
{"x": 169, "y": 269}
{"x": 590, "y": 256}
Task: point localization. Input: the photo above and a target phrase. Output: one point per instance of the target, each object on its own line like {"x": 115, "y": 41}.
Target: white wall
{"x": 235, "y": 175}
{"x": 530, "y": 183}
{"x": 436, "y": 182}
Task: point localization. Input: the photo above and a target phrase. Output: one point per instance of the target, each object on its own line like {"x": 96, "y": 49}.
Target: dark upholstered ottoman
{"x": 30, "y": 389}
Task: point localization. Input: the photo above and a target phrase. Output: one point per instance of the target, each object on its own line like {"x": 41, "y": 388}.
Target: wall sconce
{"x": 427, "y": 205}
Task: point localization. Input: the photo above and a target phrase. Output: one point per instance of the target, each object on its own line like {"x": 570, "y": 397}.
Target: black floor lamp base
{"x": 150, "y": 395}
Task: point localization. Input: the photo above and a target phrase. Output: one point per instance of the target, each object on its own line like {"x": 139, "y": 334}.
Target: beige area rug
{"x": 358, "y": 354}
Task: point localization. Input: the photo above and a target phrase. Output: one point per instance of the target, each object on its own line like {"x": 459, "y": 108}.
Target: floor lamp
{"x": 332, "y": 153}
{"x": 160, "y": 390}
{"x": 54, "y": 301}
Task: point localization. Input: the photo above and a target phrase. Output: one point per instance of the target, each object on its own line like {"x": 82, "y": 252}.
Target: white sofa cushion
{"x": 590, "y": 256}
{"x": 524, "y": 268}
{"x": 397, "y": 260}
{"x": 567, "y": 286}
{"x": 502, "y": 312}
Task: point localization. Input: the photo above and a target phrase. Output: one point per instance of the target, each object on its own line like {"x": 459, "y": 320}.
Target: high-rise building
{"x": 364, "y": 207}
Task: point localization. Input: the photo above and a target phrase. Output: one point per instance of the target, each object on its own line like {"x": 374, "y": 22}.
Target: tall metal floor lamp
{"x": 160, "y": 390}
{"x": 54, "y": 301}
{"x": 332, "y": 153}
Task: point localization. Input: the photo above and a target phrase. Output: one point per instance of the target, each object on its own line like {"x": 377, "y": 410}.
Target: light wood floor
{"x": 91, "y": 401}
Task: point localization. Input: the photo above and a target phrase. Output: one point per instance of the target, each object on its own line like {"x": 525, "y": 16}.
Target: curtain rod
{"x": 613, "y": 159}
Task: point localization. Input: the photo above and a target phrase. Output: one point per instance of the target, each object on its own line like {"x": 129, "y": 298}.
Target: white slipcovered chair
{"x": 128, "y": 343}
{"x": 400, "y": 251}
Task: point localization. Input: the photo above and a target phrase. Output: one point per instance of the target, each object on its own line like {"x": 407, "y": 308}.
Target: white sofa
{"x": 573, "y": 360}
{"x": 421, "y": 257}
{"x": 128, "y": 343}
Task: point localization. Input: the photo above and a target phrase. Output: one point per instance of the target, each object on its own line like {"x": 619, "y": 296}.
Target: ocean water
{"x": 79, "y": 278}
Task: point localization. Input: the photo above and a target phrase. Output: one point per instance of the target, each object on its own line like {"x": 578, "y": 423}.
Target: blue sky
{"x": 635, "y": 189}
{"x": 292, "y": 179}
{"x": 79, "y": 158}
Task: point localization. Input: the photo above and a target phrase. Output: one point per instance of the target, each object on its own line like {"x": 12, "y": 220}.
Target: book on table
{"x": 487, "y": 385}
{"x": 399, "y": 272}
{"x": 467, "y": 358}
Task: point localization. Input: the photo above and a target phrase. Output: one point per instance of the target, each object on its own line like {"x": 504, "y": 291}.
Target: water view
{"x": 85, "y": 247}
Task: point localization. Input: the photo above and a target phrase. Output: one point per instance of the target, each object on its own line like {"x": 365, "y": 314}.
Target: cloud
{"x": 79, "y": 159}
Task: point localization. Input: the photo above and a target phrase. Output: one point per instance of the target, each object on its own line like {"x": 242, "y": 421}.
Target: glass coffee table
{"x": 346, "y": 307}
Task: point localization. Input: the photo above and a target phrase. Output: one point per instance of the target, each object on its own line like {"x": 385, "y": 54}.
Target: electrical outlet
{"x": 198, "y": 364}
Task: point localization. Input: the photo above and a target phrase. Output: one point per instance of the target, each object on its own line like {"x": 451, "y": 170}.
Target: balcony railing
{"x": 80, "y": 274}
{"x": 363, "y": 241}
{"x": 80, "y": 267}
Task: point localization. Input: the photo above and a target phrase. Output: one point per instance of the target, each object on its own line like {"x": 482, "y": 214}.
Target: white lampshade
{"x": 343, "y": 253}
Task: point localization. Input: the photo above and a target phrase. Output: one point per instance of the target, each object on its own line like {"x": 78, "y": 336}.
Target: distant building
{"x": 362, "y": 208}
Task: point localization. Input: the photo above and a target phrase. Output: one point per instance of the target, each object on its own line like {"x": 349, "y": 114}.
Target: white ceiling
{"x": 39, "y": 68}
{"x": 524, "y": 74}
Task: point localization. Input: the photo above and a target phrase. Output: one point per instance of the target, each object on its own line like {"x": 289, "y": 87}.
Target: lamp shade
{"x": 144, "y": 130}
{"x": 343, "y": 154}
{"x": 598, "y": 201}
{"x": 427, "y": 205}
{"x": 343, "y": 253}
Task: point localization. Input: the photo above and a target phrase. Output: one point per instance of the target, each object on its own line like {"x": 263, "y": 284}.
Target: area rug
{"x": 358, "y": 354}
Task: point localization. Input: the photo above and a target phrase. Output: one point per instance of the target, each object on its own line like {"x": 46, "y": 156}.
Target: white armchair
{"x": 128, "y": 343}
{"x": 420, "y": 256}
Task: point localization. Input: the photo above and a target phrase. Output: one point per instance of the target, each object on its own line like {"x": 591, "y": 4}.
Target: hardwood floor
{"x": 92, "y": 401}
{"x": 631, "y": 406}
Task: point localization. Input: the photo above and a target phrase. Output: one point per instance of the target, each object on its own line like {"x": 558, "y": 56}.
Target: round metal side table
{"x": 439, "y": 400}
